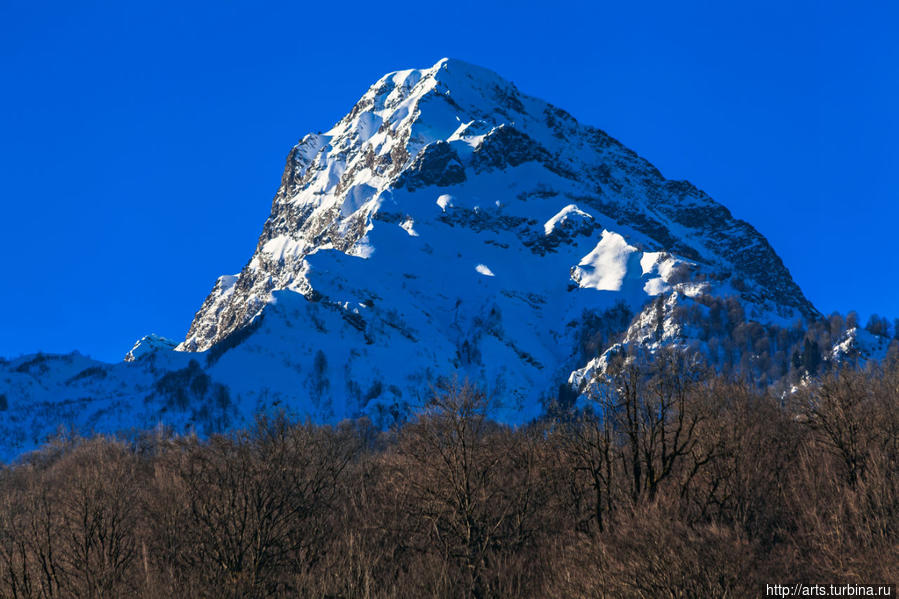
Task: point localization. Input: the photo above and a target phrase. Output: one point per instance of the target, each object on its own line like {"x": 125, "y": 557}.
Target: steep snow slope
{"x": 447, "y": 226}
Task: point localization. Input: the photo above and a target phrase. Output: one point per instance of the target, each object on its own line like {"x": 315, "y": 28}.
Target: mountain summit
{"x": 461, "y": 131}
{"x": 448, "y": 225}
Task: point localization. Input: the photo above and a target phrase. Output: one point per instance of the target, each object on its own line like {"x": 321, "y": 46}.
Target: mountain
{"x": 447, "y": 226}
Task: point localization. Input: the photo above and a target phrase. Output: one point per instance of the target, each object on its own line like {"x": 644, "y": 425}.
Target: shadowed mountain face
{"x": 447, "y": 226}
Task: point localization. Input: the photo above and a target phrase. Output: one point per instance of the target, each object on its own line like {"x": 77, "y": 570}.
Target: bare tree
{"x": 252, "y": 503}
{"x": 472, "y": 485}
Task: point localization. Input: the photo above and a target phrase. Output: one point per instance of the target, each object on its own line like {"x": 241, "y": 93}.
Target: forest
{"x": 669, "y": 481}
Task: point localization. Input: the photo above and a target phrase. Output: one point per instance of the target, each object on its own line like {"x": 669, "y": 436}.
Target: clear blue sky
{"x": 140, "y": 146}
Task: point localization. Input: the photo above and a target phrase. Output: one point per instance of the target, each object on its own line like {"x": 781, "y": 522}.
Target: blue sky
{"x": 141, "y": 145}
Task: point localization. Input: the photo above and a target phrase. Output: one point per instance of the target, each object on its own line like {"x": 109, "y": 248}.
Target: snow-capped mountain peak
{"x": 448, "y": 226}
{"x": 456, "y": 125}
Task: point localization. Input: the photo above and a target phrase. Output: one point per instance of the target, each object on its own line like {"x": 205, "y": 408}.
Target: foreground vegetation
{"x": 670, "y": 483}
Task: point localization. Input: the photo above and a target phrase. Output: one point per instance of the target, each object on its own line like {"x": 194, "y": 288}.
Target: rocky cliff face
{"x": 448, "y": 225}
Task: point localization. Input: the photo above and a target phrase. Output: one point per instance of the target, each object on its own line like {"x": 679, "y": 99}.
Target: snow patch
{"x": 606, "y": 267}
{"x": 569, "y": 212}
{"x": 356, "y": 197}
{"x": 408, "y": 226}
{"x": 445, "y": 201}
{"x": 283, "y": 247}
{"x": 656, "y": 286}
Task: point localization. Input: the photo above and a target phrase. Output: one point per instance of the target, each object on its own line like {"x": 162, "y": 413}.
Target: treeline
{"x": 668, "y": 483}
{"x": 769, "y": 354}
